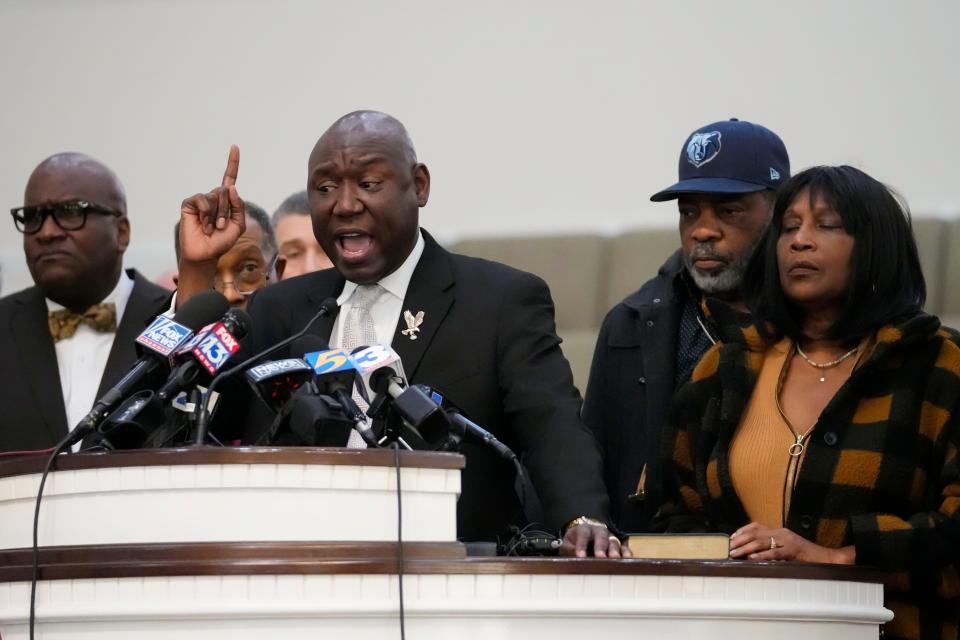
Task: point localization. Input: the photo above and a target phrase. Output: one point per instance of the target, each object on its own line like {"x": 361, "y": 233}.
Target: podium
{"x": 225, "y": 543}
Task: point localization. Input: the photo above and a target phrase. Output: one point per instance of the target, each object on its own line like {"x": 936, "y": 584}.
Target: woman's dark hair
{"x": 886, "y": 280}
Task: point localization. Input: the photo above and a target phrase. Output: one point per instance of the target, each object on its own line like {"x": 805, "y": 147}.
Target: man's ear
{"x": 421, "y": 183}
{"x": 279, "y": 266}
{"x": 123, "y": 233}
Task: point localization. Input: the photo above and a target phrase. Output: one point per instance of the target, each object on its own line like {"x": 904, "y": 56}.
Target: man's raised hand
{"x": 211, "y": 223}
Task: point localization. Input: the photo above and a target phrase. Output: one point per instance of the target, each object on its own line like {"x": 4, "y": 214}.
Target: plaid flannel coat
{"x": 881, "y": 470}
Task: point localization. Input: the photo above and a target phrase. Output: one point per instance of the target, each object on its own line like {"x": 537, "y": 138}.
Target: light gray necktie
{"x": 358, "y": 327}
{"x": 360, "y": 331}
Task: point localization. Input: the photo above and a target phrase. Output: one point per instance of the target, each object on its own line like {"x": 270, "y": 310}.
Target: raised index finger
{"x": 233, "y": 167}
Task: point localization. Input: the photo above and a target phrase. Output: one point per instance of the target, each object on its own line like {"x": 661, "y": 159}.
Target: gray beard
{"x": 723, "y": 281}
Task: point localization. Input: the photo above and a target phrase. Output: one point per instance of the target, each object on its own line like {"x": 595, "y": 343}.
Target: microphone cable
{"x": 35, "y": 547}
{"x": 396, "y": 458}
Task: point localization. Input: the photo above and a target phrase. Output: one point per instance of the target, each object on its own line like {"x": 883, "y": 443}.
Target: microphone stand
{"x": 392, "y": 422}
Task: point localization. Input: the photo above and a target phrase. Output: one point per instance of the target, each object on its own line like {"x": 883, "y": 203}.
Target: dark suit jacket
{"x": 489, "y": 344}
{"x": 32, "y": 413}
{"x": 629, "y": 390}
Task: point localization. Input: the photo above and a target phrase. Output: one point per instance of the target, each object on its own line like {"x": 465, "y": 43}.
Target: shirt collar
{"x": 119, "y": 296}
{"x": 397, "y": 282}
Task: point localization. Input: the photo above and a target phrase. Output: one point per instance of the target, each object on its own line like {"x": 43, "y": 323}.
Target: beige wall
{"x": 533, "y": 116}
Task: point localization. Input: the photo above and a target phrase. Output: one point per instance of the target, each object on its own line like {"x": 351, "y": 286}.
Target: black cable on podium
{"x": 57, "y": 450}
{"x": 396, "y": 458}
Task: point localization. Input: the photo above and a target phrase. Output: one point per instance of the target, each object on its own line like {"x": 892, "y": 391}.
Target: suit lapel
{"x": 32, "y": 342}
{"x": 146, "y": 301}
{"x": 431, "y": 290}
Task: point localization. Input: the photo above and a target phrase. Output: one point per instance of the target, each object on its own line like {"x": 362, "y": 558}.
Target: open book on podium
{"x": 682, "y": 546}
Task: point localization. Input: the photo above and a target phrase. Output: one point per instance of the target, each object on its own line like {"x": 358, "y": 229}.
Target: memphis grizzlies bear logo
{"x": 703, "y": 147}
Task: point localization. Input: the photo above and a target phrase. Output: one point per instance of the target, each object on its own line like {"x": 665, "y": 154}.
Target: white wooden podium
{"x": 301, "y": 543}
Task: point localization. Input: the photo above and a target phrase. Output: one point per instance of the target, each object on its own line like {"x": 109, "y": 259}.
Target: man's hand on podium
{"x": 585, "y": 534}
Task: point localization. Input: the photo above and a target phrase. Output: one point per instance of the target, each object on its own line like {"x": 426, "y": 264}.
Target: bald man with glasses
{"x": 70, "y": 337}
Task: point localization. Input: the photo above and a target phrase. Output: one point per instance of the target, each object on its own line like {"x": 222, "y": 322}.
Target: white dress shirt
{"x": 82, "y": 357}
{"x": 388, "y": 307}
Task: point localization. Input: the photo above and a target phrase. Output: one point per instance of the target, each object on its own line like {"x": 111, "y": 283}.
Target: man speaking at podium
{"x": 482, "y": 333}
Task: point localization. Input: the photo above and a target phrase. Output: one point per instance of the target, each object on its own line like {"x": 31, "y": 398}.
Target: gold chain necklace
{"x": 824, "y": 365}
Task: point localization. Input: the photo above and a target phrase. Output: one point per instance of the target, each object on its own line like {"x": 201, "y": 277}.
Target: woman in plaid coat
{"x": 830, "y": 433}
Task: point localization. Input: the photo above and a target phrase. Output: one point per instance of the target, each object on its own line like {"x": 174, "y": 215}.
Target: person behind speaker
{"x": 71, "y": 336}
{"x": 297, "y": 244}
{"x": 252, "y": 262}
{"x": 828, "y": 430}
{"x": 649, "y": 343}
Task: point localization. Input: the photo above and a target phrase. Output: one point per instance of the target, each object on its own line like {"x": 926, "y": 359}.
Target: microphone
{"x": 313, "y": 420}
{"x": 471, "y": 429}
{"x": 382, "y": 372}
{"x": 157, "y": 343}
{"x": 132, "y": 423}
{"x": 306, "y": 412}
{"x": 276, "y": 381}
{"x": 336, "y": 373}
{"x": 141, "y": 415}
{"x": 328, "y": 306}
{"x": 207, "y": 352}
{"x": 370, "y": 359}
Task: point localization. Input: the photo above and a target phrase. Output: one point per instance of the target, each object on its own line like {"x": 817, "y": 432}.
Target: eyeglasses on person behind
{"x": 248, "y": 278}
{"x": 69, "y": 216}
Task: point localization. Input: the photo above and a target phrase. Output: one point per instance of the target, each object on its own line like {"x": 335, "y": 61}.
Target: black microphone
{"x": 207, "y": 352}
{"x": 337, "y": 375}
{"x": 383, "y": 381}
{"x": 133, "y": 422}
{"x": 159, "y": 341}
{"x": 419, "y": 412}
{"x": 471, "y": 429}
{"x": 141, "y": 419}
{"x": 313, "y": 420}
{"x": 306, "y": 412}
{"x": 275, "y": 381}
{"x": 328, "y": 306}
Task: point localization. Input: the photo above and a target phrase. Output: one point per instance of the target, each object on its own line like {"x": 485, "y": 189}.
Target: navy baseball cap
{"x": 731, "y": 156}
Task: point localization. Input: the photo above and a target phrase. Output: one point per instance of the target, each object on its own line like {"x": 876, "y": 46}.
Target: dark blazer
{"x": 632, "y": 379}
{"x": 32, "y": 413}
{"x": 488, "y": 343}
{"x": 881, "y": 470}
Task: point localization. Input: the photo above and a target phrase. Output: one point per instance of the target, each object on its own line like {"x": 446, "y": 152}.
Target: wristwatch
{"x": 576, "y": 522}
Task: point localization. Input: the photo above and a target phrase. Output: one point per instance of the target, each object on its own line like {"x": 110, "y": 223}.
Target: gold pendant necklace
{"x": 824, "y": 365}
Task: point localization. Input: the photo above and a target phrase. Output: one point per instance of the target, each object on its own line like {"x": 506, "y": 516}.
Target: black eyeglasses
{"x": 69, "y": 216}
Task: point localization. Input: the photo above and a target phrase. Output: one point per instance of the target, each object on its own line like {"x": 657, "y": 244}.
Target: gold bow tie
{"x": 100, "y": 317}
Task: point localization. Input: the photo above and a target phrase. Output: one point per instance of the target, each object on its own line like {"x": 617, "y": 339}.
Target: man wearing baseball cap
{"x": 651, "y": 341}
